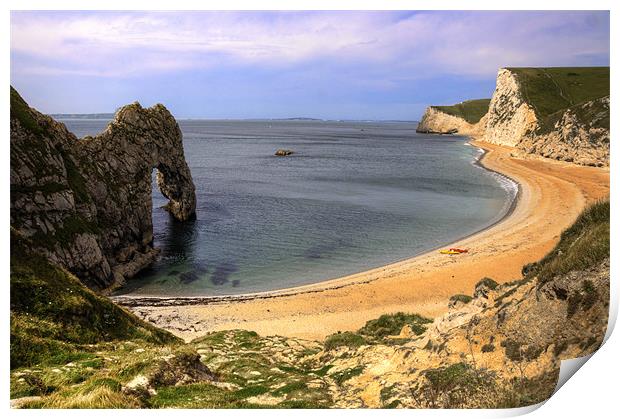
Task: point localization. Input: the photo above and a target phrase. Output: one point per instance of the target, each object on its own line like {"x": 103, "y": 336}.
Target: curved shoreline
{"x": 551, "y": 196}
{"x": 129, "y": 300}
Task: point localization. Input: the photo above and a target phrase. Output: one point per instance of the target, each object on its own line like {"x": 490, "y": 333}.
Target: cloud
{"x": 391, "y": 45}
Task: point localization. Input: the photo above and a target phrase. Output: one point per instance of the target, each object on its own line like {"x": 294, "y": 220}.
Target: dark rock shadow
{"x": 222, "y": 272}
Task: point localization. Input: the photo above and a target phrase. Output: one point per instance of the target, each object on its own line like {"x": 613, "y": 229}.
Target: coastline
{"x": 499, "y": 251}
{"x": 129, "y": 300}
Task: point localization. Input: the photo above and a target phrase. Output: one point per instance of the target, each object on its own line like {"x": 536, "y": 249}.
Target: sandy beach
{"x": 551, "y": 196}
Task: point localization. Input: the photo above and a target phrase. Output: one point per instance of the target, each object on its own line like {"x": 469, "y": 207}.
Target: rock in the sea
{"x": 86, "y": 203}
{"x": 283, "y": 152}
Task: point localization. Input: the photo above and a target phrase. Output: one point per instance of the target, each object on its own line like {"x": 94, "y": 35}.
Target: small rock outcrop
{"x": 86, "y": 203}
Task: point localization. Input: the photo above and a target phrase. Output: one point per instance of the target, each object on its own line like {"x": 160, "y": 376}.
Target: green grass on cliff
{"x": 552, "y": 89}
{"x": 53, "y": 315}
{"x": 470, "y": 110}
{"x": 391, "y": 324}
{"x": 246, "y": 371}
{"x": 21, "y": 111}
{"x": 581, "y": 246}
{"x": 594, "y": 114}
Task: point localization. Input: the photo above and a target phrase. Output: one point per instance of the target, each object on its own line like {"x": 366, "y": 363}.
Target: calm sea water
{"x": 355, "y": 195}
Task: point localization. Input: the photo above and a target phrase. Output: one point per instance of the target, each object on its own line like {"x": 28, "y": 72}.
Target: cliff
{"x": 463, "y": 118}
{"x": 86, "y": 203}
{"x": 559, "y": 113}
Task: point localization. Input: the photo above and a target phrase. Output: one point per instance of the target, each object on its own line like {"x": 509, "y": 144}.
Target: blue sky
{"x": 333, "y": 65}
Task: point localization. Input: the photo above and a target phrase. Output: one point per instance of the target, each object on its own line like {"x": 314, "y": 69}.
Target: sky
{"x": 320, "y": 64}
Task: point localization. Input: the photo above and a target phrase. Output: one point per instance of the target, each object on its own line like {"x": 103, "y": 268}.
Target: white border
{"x": 592, "y": 393}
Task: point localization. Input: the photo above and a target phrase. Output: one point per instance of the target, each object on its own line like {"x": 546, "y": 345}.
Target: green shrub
{"x": 290, "y": 387}
{"x": 517, "y": 352}
{"x": 488, "y": 283}
{"x": 348, "y": 339}
{"x": 461, "y": 298}
{"x": 488, "y": 347}
{"x": 581, "y": 246}
{"x": 585, "y": 298}
{"x": 391, "y": 324}
{"x": 452, "y": 386}
{"x": 342, "y": 376}
{"x": 522, "y": 391}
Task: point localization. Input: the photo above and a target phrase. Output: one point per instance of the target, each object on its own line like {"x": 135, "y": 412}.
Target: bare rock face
{"x": 87, "y": 202}
{"x": 576, "y": 136}
{"x": 510, "y": 117}
{"x": 515, "y": 333}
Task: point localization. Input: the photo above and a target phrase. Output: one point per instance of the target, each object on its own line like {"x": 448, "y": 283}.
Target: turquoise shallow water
{"x": 355, "y": 195}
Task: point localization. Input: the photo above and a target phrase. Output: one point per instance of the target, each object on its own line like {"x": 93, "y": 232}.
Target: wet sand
{"x": 551, "y": 196}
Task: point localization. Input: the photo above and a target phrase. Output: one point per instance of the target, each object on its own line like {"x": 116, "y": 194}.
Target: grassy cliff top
{"x": 552, "y": 89}
{"x": 470, "y": 110}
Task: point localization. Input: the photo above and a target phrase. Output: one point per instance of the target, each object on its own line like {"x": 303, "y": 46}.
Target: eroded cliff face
{"x": 86, "y": 203}
{"x": 576, "y": 135}
{"x": 510, "y": 117}
{"x": 435, "y": 121}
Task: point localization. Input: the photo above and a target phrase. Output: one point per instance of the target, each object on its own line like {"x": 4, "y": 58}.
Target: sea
{"x": 353, "y": 196}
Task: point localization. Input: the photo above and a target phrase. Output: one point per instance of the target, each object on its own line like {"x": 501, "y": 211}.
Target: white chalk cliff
{"x": 578, "y": 134}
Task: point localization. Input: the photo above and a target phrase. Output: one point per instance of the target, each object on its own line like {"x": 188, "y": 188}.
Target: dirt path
{"x": 552, "y": 195}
